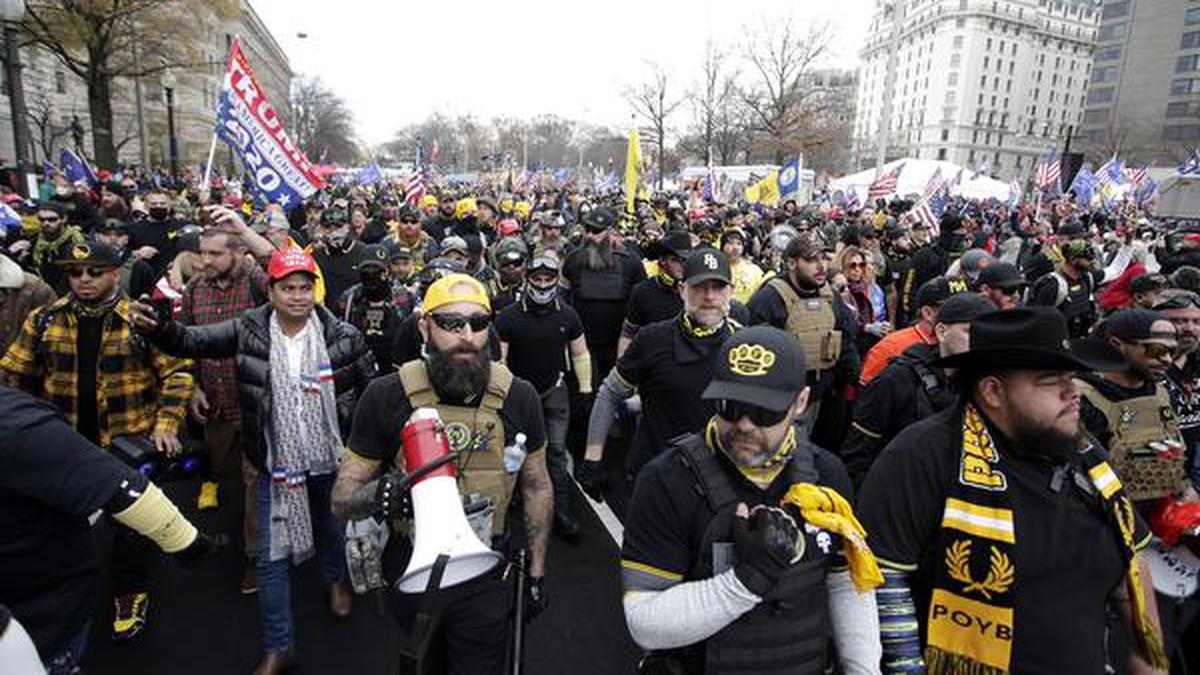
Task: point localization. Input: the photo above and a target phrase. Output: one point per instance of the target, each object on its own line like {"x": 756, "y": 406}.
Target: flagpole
{"x": 212, "y": 151}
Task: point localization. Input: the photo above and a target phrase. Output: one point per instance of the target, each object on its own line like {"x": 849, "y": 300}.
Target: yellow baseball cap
{"x": 455, "y": 288}
{"x": 428, "y": 200}
{"x": 464, "y": 207}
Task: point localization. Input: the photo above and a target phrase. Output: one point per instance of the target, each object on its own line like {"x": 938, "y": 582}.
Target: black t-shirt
{"x": 602, "y": 319}
{"x": 377, "y": 321}
{"x": 383, "y": 411}
{"x": 668, "y": 515}
{"x": 339, "y": 269}
{"x": 537, "y": 342}
{"x": 1067, "y": 557}
{"x": 670, "y": 370}
{"x": 87, "y": 345}
{"x": 162, "y": 235}
{"x": 1094, "y": 420}
{"x": 652, "y": 301}
{"x": 51, "y": 479}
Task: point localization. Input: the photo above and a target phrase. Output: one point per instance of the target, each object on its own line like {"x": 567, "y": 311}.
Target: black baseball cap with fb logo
{"x": 759, "y": 365}
{"x": 707, "y": 263}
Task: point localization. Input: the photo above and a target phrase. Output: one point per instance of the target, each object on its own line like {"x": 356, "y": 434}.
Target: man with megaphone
{"x": 490, "y": 422}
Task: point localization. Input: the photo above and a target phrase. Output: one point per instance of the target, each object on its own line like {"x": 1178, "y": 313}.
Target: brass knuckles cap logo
{"x": 81, "y": 251}
{"x": 751, "y": 360}
{"x": 458, "y": 435}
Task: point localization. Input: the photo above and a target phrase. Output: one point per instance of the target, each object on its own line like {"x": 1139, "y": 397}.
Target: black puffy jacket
{"x": 248, "y": 340}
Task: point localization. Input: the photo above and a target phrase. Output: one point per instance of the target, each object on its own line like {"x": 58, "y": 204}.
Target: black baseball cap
{"x": 1133, "y": 324}
{"x": 90, "y": 253}
{"x": 398, "y": 251}
{"x": 707, "y": 263}
{"x": 933, "y": 293}
{"x": 598, "y": 219}
{"x": 373, "y": 255}
{"x": 964, "y": 308}
{"x": 759, "y": 365}
{"x": 1001, "y": 275}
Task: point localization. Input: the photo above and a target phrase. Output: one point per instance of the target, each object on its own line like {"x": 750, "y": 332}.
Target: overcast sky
{"x": 397, "y": 62}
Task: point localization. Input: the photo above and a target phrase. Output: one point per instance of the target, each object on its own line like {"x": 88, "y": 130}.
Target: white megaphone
{"x": 439, "y": 523}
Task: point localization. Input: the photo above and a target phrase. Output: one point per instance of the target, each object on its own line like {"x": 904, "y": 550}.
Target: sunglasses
{"x": 93, "y": 272}
{"x": 410, "y": 221}
{"x": 1157, "y": 350}
{"x": 856, "y": 266}
{"x": 1179, "y": 300}
{"x": 456, "y": 322}
{"x": 1008, "y": 290}
{"x": 49, "y": 219}
{"x": 732, "y": 411}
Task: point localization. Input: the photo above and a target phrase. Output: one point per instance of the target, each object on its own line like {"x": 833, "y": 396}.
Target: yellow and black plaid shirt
{"x": 139, "y": 389}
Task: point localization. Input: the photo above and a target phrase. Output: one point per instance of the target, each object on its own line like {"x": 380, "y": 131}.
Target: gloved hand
{"x": 393, "y": 495}
{"x": 202, "y": 548}
{"x": 765, "y": 542}
{"x": 590, "y": 475}
{"x": 878, "y": 329}
{"x": 536, "y": 601}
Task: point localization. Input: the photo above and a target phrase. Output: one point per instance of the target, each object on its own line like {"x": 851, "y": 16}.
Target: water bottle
{"x": 514, "y": 455}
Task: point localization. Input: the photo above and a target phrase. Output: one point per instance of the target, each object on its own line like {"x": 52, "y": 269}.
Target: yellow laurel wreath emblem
{"x": 1000, "y": 570}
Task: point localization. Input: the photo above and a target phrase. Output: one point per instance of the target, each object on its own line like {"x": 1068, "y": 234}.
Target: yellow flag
{"x": 765, "y": 191}
{"x": 633, "y": 161}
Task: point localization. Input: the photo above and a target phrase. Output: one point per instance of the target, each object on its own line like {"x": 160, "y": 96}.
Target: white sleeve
{"x": 855, "y": 622}
{"x": 687, "y": 613}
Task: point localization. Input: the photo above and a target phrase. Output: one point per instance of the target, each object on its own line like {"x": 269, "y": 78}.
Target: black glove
{"x": 202, "y": 548}
{"x": 535, "y": 598}
{"x": 590, "y": 475}
{"x": 393, "y": 495}
{"x": 765, "y": 544}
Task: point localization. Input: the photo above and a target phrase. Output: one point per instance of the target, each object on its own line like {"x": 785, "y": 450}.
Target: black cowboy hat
{"x": 675, "y": 242}
{"x": 1029, "y": 338}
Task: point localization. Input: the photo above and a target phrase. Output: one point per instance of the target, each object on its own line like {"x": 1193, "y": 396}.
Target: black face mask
{"x": 159, "y": 213}
{"x": 375, "y": 287}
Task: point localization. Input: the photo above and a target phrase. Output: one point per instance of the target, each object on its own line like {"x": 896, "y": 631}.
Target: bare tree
{"x": 94, "y": 40}
{"x": 322, "y": 122}
{"x": 47, "y": 128}
{"x": 710, "y": 101}
{"x": 782, "y": 100}
{"x": 652, "y": 103}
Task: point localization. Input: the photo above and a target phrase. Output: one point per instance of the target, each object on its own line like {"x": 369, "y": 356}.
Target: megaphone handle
{"x": 432, "y": 466}
{"x": 423, "y": 623}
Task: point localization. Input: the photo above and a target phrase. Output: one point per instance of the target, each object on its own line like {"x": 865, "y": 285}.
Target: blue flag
{"x": 75, "y": 169}
{"x": 1192, "y": 165}
{"x": 9, "y": 219}
{"x": 48, "y": 170}
{"x": 370, "y": 174}
{"x": 1084, "y": 186}
{"x": 789, "y": 178}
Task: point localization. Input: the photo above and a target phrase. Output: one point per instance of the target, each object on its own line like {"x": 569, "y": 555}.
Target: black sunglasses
{"x": 1009, "y": 290}
{"x": 1179, "y": 301}
{"x": 732, "y": 411}
{"x": 93, "y": 272}
{"x": 456, "y": 322}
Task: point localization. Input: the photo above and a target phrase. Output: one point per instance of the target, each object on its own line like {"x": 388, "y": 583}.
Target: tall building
{"x": 57, "y": 100}
{"x": 989, "y": 84}
{"x": 1144, "y": 101}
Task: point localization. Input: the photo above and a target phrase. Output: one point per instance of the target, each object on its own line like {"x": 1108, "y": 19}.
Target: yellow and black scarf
{"x": 971, "y": 624}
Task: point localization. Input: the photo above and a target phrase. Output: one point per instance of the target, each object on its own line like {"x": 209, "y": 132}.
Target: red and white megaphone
{"x": 439, "y": 523}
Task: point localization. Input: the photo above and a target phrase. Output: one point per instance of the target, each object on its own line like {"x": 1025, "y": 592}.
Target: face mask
{"x": 338, "y": 239}
{"x": 541, "y": 296}
{"x": 159, "y": 212}
{"x": 375, "y": 287}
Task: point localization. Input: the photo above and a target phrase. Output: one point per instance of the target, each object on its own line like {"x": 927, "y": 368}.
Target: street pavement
{"x": 200, "y": 624}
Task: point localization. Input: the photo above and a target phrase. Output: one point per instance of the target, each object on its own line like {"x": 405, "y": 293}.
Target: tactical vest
{"x": 789, "y": 631}
{"x": 1135, "y": 424}
{"x": 933, "y": 395}
{"x": 477, "y": 432}
{"x": 811, "y": 320}
{"x": 606, "y": 284}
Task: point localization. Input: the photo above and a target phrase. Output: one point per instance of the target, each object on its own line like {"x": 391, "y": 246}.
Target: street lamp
{"x": 11, "y": 13}
{"x": 168, "y": 83}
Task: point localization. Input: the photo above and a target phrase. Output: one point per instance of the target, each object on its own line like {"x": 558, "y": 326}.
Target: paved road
{"x": 200, "y": 625}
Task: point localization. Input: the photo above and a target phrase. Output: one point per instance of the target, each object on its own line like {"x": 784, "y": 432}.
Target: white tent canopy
{"x": 915, "y": 176}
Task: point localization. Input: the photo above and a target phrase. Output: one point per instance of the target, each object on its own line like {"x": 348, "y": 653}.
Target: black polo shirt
{"x": 51, "y": 479}
{"x": 538, "y": 340}
{"x": 670, "y": 369}
{"x": 653, "y": 300}
{"x": 384, "y": 409}
{"x": 668, "y": 514}
{"x": 162, "y": 235}
{"x": 1067, "y": 558}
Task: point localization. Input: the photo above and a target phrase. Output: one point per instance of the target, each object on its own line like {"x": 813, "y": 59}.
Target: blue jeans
{"x": 274, "y": 578}
{"x": 68, "y": 658}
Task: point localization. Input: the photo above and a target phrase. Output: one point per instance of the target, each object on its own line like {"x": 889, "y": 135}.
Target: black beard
{"x": 453, "y": 380}
{"x": 599, "y": 255}
{"x": 376, "y": 290}
{"x": 1032, "y": 438}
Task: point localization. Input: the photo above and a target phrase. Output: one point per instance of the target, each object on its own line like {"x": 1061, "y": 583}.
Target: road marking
{"x": 602, "y": 510}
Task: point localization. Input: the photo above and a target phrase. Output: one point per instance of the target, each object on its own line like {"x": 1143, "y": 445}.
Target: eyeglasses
{"x": 49, "y": 219}
{"x": 1179, "y": 300}
{"x": 410, "y": 221}
{"x": 856, "y": 266}
{"x": 456, "y": 322}
{"x": 93, "y": 272}
{"x": 1157, "y": 350}
{"x": 732, "y": 411}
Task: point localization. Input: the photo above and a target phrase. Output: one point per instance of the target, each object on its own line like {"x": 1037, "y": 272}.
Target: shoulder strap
{"x": 417, "y": 387}
{"x": 711, "y": 481}
{"x": 499, "y": 383}
{"x": 1099, "y": 402}
{"x": 1062, "y": 288}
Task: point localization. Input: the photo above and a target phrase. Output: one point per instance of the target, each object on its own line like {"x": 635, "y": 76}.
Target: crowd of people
{"x": 842, "y": 438}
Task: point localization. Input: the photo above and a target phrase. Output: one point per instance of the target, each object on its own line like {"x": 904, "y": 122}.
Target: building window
{"x": 1096, "y": 116}
{"x": 1192, "y": 17}
{"x": 952, "y": 80}
{"x": 1104, "y": 95}
{"x": 1109, "y": 73}
{"x": 985, "y": 63}
{"x": 60, "y": 82}
{"x": 1113, "y": 52}
{"x": 958, "y": 41}
{"x": 1185, "y": 64}
{"x": 1187, "y": 132}
{"x": 955, "y": 60}
{"x": 941, "y": 154}
{"x": 945, "y": 135}
{"x": 1115, "y": 9}
{"x": 1179, "y": 87}
{"x": 1182, "y": 109}
{"x": 1113, "y": 31}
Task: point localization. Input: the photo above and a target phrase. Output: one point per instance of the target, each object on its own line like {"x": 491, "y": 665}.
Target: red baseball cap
{"x": 289, "y": 260}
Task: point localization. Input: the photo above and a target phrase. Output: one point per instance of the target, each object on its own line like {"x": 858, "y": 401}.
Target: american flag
{"x": 1137, "y": 175}
{"x": 1111, "y": 172}
{"x": 414, "y": 189}
{"x": 936, "y": 182}
{"x": 930, "y": 210}
{"x": 1048, "y": 172}
{"x": 885, "y": 184}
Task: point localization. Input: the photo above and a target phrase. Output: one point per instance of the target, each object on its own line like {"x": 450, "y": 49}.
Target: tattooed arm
{"x": 539, "y": 508}
{"x": 354, "y": 491}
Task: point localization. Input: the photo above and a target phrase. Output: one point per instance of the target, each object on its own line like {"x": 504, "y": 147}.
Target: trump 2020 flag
{"x": 278, "y": 170}
{"x": 369, "y": 175}
{"x": 789, "y": 178}
{"x": 76, "y": 170}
